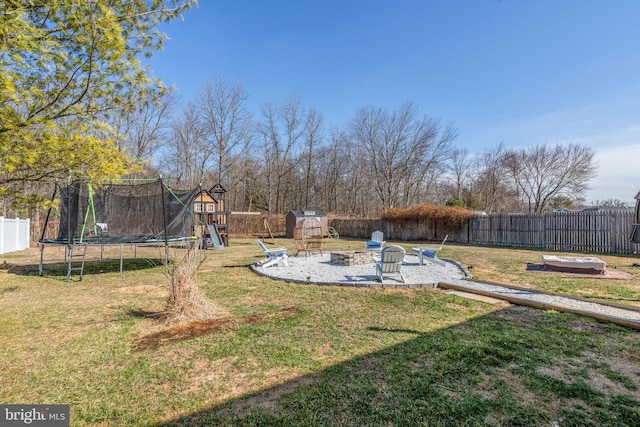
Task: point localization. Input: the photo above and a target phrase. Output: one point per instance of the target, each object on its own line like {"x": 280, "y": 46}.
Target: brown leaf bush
{"x": 448, "y": 216}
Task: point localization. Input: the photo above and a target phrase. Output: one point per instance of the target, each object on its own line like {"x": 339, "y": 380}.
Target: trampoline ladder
{"x": 77, "y": 252}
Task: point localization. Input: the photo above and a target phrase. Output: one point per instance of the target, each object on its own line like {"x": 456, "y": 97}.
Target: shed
{"x": 293, "y": 217}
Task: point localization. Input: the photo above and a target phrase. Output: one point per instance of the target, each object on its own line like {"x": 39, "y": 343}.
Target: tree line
{"x": 284, "y": 158}
{"x": 76, "y": 101}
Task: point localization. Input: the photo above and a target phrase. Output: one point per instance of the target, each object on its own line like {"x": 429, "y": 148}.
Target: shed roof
{"x": 307, "y": 212}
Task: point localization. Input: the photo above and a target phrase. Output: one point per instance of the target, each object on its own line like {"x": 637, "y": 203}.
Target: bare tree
{"x": 187, "y": 153}
{"x": 143, "y": 130}
{"x": 490, "y": 190}
{"x": 281, "y": 132}
{"x": 226, "y": 123}
{"x": 460, "y": 170}
{"x": 541, "y": 173}
{"x": 450, "y": 188}
{"x": 313, "y": 141}
{"x": 615, "y": 203}
{"x": 333, "y": 168}
{"x": 403, "y": 151}
{"x": 249, "y": 187}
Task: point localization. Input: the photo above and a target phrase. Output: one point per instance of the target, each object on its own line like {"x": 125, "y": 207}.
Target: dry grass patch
{"x": 143, "y": 290}
{"x": 454, "y": 306}
{"x": 197, "y": 328}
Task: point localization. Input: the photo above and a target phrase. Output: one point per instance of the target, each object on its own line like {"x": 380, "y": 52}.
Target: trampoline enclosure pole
{"x": 46, "y": 220}
{"x": 164, "y": 219}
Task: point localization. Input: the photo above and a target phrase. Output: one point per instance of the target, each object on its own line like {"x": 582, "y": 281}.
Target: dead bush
{"x": 186, "y": 303}
{"x": 448, "y": 216}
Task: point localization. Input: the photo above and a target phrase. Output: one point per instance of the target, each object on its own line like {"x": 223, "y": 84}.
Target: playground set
{"x": 141, "y": 212}
{"x": 213, "y": 217}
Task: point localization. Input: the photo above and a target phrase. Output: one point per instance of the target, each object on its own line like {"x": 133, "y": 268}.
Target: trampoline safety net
{"x": 125, "y": 213}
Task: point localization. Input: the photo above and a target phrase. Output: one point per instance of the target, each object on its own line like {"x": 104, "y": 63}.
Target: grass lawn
{"x": 288, "y": 354}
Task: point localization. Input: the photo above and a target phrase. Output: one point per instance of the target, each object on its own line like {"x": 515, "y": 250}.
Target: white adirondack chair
{"x": 274, "y": 256}
{"x": 390, "y": 263}
{"x": 430, "y": 253}
{"x": 376, "y": 242}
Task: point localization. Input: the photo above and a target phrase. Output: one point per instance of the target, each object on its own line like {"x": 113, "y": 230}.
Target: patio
{"x": 320, "y": 270}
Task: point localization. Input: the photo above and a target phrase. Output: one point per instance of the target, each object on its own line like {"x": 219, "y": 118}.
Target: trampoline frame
{"x": 194, "y": 242}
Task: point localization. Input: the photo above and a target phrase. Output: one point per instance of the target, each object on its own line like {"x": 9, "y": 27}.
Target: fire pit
{"x": 352, "y": 257}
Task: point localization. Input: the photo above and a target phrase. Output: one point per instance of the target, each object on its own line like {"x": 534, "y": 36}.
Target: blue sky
{"x": 517, "y": 72}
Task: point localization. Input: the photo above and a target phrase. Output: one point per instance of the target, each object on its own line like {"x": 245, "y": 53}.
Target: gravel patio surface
{"x": 318, "y": 269}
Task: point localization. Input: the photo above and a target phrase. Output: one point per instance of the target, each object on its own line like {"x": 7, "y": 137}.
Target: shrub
{"x": 449, "y": 216}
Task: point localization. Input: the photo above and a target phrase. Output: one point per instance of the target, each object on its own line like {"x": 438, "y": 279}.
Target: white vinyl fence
{"x": 14, "y": 234}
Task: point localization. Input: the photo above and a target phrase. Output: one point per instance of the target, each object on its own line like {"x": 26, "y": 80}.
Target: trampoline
{"x": 134, "y": 213}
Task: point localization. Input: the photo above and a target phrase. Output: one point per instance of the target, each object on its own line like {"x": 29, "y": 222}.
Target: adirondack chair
{"x": 274, "y": 256}
{"x": 430, "y": 253}
{"x": 390, "y": 262}
{"x": 376, "y": 242}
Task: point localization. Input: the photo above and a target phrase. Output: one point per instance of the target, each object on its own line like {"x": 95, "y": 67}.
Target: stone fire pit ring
{"x": 352, "y": 257}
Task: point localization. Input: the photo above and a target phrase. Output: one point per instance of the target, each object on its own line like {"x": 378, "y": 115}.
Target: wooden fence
{"x": 241, "y": 225}
{"x": 253, "y": 224}
{"x": 597, "y": 232}
{"x": 600, "y": 232}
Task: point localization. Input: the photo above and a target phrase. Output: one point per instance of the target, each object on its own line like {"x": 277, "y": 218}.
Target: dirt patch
{"x": 321, "y": 352}
{"x": 203, "y": 327}
{"x": 206, "y": 372}
{"x": 518, "y": 315}
{"x": 489, "y": 388}
{"x": 596, "y": 380}
{"x": 458, "y": 307}
{"x": 609, "y": 273}
{"x": 6, "y": 266}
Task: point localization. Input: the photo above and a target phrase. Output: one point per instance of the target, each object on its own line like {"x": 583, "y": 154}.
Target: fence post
{"x": 16, "y": 243}
{"x": 544, "y": 231}
{"x": 2, "y": 234}
{"x": 26, "y": 236}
